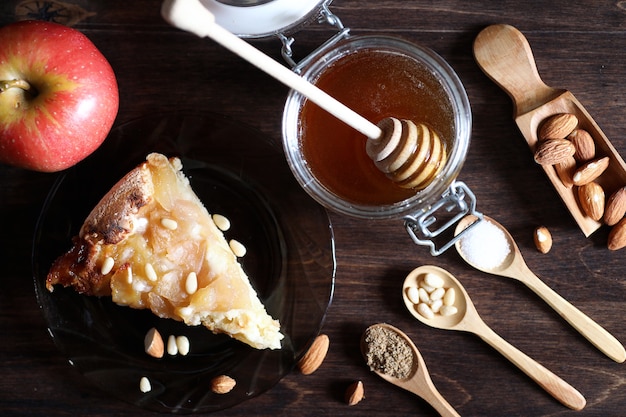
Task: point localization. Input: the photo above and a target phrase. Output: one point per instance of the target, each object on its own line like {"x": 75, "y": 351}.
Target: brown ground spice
{"x": 387, "y": 352}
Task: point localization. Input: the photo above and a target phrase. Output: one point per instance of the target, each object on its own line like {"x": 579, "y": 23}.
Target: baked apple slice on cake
{"x": 151, "y": 244}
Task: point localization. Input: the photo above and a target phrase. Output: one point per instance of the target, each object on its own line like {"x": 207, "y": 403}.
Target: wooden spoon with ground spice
{"x": 392, "y": 355}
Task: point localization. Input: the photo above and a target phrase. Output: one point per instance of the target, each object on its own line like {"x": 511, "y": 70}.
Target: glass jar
{"x": 418, "y": 208}
{"x": 429, "y": 212}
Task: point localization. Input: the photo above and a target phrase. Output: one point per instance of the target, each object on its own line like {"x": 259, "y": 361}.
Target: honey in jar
{"x": 376, "y": 84}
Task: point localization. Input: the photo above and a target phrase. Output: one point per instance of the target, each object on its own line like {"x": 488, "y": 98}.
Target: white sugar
{"x": 485, "y": 245}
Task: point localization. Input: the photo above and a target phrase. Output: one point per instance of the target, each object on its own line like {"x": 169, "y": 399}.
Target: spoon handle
{"x": 550, "y": 382}
{"x": 443, "y": 407}
{"x": 504, "y": 55}
{"x": 591, "y": 330}
{"x": 192, "y": 16}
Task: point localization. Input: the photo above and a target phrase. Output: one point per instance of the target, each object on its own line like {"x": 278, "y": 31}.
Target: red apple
{"x": 58, "y": 96}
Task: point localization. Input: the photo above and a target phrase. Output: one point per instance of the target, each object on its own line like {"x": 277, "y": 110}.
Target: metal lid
{"x": 259, "y": 19}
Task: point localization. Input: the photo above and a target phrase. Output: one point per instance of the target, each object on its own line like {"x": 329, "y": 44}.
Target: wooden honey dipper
{"x": 409, "y": 154}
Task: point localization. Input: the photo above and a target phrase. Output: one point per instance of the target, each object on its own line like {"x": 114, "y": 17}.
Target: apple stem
{"x": 6, "y": 84}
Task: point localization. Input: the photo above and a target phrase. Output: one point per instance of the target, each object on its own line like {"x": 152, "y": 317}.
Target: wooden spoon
{"x": 418, "y": 382}
{"x": 515, "y": 267}
{"x": 467, "y": 319}
{"x": 393, "y": 144}
{"x": 503, "y": 53}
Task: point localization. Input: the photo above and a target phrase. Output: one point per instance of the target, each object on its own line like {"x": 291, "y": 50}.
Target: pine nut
{"x": 191, "y": 283}
{"x": 169, "y": 224}
{"x": 423, "y": 295}
{"x": 150, "y": 272}
{"x": 182, "y": 343}
{"x": 107, "y": 265}
{"x": 437, "y": 294}
{"x": 144, "y": 385}
{"x": 238, "y": 249}
{"x": 221, "y": 222}
{"x": 448, "y": 311}
{"x": 426, "y": 287}
{"x": 413, "y": 294}
{"x": 425, "y": 310}
{"x": 433, "y": 280}
{"x": 450, "y": 297}
{"x": 172, "y": 347}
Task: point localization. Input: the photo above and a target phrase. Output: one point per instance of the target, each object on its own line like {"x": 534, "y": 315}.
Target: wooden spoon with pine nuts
{"x": 467, "y": 319}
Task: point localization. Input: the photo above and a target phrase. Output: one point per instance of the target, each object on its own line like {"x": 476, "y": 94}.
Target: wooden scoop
{"x": 503, "y": 53}
{"x": 409, "y": 154}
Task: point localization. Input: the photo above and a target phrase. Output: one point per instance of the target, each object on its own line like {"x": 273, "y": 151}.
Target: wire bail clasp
{"x": 458, "y": 197}
{"x": 325, "y": 16}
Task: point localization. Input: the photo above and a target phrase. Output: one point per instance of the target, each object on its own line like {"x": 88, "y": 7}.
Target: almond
{"x": 591, "y": 199}
{"x": 558, "y": 126}
{"x": 153, "y": 343}
{"x": 316, "y": 354}
{"x": 615, "y": 207}
{"x": 554, "y": 151}
{"x": 565, "y": 170}
{"x": 222, "y": 384}
{"x": 617, "y": 236}
{"x": 590, "y": 171}
{"x": 543, "y": 239}
{"x": 585, "y": 146}
{"x": 354, "y": 393}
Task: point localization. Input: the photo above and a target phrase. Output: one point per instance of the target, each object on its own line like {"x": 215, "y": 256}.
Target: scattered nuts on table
{"x": 543, "y": 239}
{"x": 316, "y": 354}
{"x": 354, "y": 393}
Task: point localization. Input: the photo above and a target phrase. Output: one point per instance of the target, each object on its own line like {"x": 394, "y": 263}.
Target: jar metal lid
{"x": 266, "y": 18}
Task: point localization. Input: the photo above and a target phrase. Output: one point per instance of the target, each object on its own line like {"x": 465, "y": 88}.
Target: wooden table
{"x": 578, "y": 46}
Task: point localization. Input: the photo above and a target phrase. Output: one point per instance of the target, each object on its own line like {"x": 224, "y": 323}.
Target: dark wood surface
{"x": 578, "y": 45}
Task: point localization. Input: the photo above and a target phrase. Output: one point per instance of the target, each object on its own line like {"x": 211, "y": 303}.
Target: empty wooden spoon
{"x": 417, "y": 380}
{"x": 410, "y": 154}
{"x": 467, "y": 319}
{"x": 504, "y": 55}
{"x": 514, "y": 266}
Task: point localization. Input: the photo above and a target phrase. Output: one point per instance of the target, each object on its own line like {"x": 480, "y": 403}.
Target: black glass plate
{"x": 237, "y": 172}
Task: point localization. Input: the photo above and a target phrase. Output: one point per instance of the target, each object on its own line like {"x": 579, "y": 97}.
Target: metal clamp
{"x": 325, "y": 16}
{"x": 418, "y": 226}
